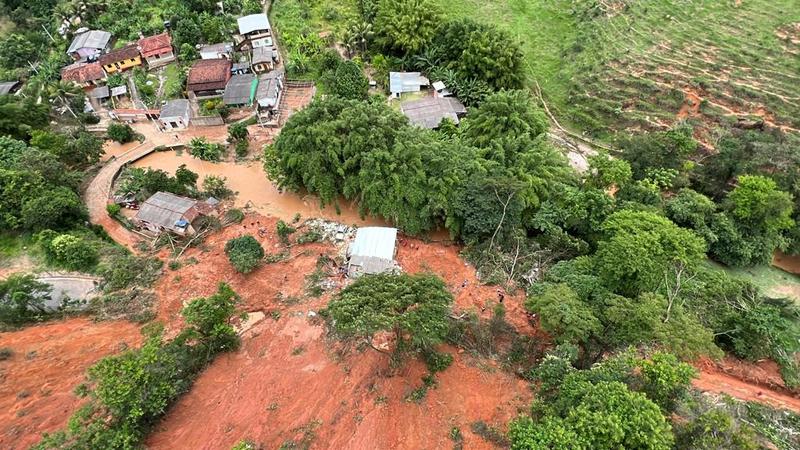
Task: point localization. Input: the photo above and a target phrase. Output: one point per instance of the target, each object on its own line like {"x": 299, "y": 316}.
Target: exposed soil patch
{"x": 757, "y": 382}
{"x": 48, "y": 362}
{"x": 789, "y": 263}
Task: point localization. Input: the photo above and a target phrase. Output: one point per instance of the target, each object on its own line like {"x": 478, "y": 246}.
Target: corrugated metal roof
{"x": 99, "y": 92}
{"x": 240, "y": 90}
{"x": 119, "y": 90}
{"x": 164, "y": 209}
{"x": 262, "y": 55}
{"x": 268, "y": 91}
{"x": 375, "y": 242}
{"x": 253, "y": 22}
{"x": 7, "y": 86}
{"x": 429, "y": 112}
{"x": 90, "y": 39}
{"x": 406, "y": 82}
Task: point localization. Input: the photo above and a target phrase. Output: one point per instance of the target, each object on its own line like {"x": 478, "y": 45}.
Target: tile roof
{"x": 429, "y": 112}
{"x": 209, "y": 74}
{"x": 130, "y": 51}
{"x": 90, "y": 39}
{"x": 83, "y": 72}
{"x": 253, "y": 22}
{"x": 155, "y": 45}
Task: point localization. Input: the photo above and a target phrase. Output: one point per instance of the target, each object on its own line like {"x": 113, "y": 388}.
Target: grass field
{"x": 606, "y": 65}
{"x": 771, "y": 280}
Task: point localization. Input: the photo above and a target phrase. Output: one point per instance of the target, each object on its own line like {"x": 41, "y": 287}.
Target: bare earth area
{"x": 48, "y": 362}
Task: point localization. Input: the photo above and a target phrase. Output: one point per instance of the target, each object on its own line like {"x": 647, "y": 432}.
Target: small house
{"x": 99, "y": 94}
{"x": 208, "y": 77}
{"x": 402, "y": 82}
{"x": 264, "y": 59}
{"x": 440, "y": 90}
{"x": 9, "y": 87}
{"x": 175, "y": 115}
{"x": 372, "y": 251}
{"x": 222, "y": 50}
{"x": 121, "y": 59}
{"x": 119, "y": 91}
{"x": 430, "y": 111}
{"x": 268, "y": 97}
{"x": 88, "y": 45}
{"x": 156, "y": 50}
{"x": 240, "y": 90}
{"x": 253, "y": 32}
{"x": 165, "y": 211}
{"x": 85, "y": 74}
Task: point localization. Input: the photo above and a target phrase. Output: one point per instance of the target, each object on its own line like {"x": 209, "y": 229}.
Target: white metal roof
{"x": 377, "y": 242}
{"x": 95, "y": 39}
{"x": 406, "y": 81}
{"x": 253, "y": 22}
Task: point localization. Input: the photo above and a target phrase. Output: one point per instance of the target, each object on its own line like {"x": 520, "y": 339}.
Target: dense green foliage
{"x": 128, "y": 393}
{"x": 244, "y": 253}
{"x": 143, "y": 183}
{"x": 68, "y": 251}
{"x": 22, "y": 299}
{"x": 200, "y": 148}
{"x": 412, "y": 307}
{"x": 121, "y": 132}
{"x": 406, "y": 26}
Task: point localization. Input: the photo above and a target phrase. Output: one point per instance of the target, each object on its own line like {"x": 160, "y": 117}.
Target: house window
{"x": 158, "y": 56}
{"x": 133, "y": 59}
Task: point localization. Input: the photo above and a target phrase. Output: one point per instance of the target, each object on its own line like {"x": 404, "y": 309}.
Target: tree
{"x": 237, "y": 132}
{"x": 244, "y": 253}
{"x": 208, "y": 319}
{"x": 215, "y": 186}
{"x": 121, "y": 132}
{"x": 22, "y": 299}
{"x": 564, "y": 315}
{"x": 185, "y": 176}
{"x": 607, "y": 172}
{"x": 349, "y": 81}
{"x": 663, "y": 149}
{"x": 756, "y": 216}
{"x": 639, "y": 248}
{"x": 78, "y": 149}
{"x": 604, "y": 416}
{"x": 480, "y": 51}
{"x": 505, "y": 113}
{"x": 413, "y": 307}
{"x": 715, "y": 429}
{"x": 55, "y": 208}
{"x": 666, "y": 380}
{"x": 690, "y": 209}
{"x": 406, "y": 26}
{"x": 200, "y": 148}
{"x": 18, "y": 116}
{"x": 16, "y": 50}
{"x": 69, "y": 251}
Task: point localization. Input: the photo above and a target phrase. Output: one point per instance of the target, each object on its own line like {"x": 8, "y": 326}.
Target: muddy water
{"x": 250, "y": 183}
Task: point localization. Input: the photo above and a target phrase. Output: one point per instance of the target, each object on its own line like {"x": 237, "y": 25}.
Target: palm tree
{"x": 362, "y": 33}
{"x": 63, "y": 91}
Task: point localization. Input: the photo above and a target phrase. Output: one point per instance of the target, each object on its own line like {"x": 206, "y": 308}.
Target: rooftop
{"x": 130, "y": 51}
{"x": 99, "y": 92}
{"x": 222, "y": 47}
{"x": 253, "y": 22}
{"x": 90, "y": 39}
{"x": 209, "y": 71}
{"x": 7, "y": 86}
{"x": 82, "y": 72}
{"x": 406, "y": 81}
{"x": 119, "y": 90}
{"x": 373, "y": 249}
{"x": 240, "y": 90}
{"x": 154, "y": 45}
{"x": 165, "y": 209}
{"x": 429, "y": 112}
{"x": 262, "y": 55}
{"x": 268, "y": 89}
{"x": 176, "y": 108}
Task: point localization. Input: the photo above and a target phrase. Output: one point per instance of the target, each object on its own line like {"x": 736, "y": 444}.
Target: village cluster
{"x": 254, "y": 81}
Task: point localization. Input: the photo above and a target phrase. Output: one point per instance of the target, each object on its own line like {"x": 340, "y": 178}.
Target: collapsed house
{"x": 372, "y": 251}
{"x": 165, "y": 211}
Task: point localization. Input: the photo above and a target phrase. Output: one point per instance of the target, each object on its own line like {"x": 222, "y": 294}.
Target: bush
{"x": 200, "y": 148}
{"x": 68, "y": 251}
{"x": 242, "y": 148}
{"x": 22, "y": 299}
{"x": 284, "y": 230}
{"x": 121, "y": 132}
{"x": 244, "y": 253}
{"x": 113, "y": 209}
{"x": 237, "y": 132}
{"x": 234, "y": 215}
{"x": 215, "y": 186}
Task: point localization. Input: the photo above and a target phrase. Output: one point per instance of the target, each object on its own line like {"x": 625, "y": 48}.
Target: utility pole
{"x": 48, "y": 34}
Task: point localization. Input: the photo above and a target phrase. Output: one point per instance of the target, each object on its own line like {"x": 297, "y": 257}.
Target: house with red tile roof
{"x": 208, "y": 77}
{"x": 85, "y": 74}
{"x": 157, "y": 50}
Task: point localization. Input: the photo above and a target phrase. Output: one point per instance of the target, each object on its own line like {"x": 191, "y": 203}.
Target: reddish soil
{"x": 758, "y": 382}
{"x": 690, "y": 106}
{"x": 352, "y": 398}
{"x": 48, "y": 362}
{"x": 789, "y": 263}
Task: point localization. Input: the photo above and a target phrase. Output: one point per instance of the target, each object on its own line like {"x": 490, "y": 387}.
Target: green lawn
{"x": 173, "y": 83}
{"x": 767, "y": 278}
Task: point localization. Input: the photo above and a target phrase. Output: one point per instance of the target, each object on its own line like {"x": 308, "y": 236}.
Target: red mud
{"x": 286, "y": 376}
{"x": 759, "y": 382}
{"x": 48, "y": 362}
{"x": 789, "y": 263}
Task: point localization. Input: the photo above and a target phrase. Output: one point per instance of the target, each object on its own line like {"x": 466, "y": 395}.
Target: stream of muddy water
{"x": 253, "y": 187}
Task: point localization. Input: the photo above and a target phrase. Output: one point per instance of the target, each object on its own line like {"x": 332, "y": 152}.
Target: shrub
{"x": 237, "y": 132}
{"x": 121, "y": 132}
{"x": 215, "y": 187}
{"x": 200, "y": 148}
{"x": 113, "y": 209}
{"x": 284, "y": 230}
{"x": 234, "y": 215}
{"x": 242, "y": 148}
{"x": 68, "y": 251}
{"x": 244, "y": 253}
{"x": 6, "y": 353}
{"x": 22, "y": 299}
